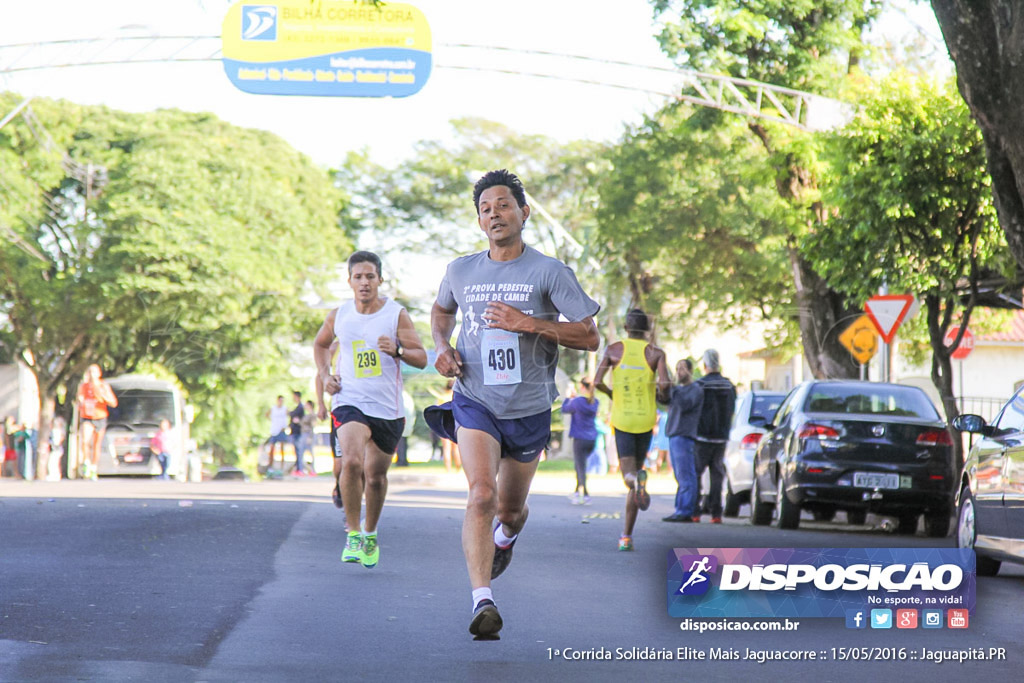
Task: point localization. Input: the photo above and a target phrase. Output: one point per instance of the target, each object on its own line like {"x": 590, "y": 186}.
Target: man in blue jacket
{"x": 713, "y": 430}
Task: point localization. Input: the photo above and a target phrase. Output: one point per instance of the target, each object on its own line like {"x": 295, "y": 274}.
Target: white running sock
{"x": 500, "y": 539}
{"x": 481, "y": 594}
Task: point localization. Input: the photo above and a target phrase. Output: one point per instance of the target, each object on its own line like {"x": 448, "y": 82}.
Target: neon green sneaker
{"x": 353, "y": 548}
{"x": 371, "y": 551}
{"x": 626, "y": 543}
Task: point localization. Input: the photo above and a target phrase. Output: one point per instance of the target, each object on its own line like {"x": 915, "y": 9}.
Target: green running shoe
{"x": 353, "y": 548}
{"x": 371, "y": 551}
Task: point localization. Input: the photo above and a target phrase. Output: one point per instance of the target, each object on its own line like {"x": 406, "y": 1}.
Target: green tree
{"x": 805, "y": 45}
{"x": 168, "y": 238}
{"x": 913, "y": 210}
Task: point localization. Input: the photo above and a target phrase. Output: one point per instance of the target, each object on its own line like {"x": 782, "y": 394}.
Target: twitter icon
{"x": 881, "y": 618}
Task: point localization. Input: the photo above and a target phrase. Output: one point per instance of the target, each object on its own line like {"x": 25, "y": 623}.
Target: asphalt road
{"x": 149, "y": 581}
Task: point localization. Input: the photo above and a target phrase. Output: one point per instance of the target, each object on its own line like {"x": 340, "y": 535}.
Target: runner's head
{"x": 501, "y": 206}
{"x": 364, "y": 275}
{"x": 637, "y": 323}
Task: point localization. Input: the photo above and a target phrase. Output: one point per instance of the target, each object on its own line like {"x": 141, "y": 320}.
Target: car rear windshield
{"x": 142, "y": 407}
{"x": 765, "y": 405}
{"x": 861, "y": 400}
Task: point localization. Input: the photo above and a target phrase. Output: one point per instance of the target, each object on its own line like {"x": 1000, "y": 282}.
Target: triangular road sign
{"x": 887, "y": 312}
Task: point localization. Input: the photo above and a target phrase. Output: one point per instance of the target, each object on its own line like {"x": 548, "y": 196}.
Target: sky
{"x": 326, "y": 128}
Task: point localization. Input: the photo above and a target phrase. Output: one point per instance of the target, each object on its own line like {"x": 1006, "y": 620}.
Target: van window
{"x": 142, "y": 407}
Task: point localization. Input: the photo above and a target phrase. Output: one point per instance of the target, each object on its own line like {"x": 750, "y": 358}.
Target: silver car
{"x": 753, "y": 410}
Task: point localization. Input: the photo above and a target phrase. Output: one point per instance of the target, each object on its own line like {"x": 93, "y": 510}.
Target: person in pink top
{"x": 160, "y": 445}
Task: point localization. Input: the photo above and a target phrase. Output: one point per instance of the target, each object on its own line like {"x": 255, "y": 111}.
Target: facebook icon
{"x": 856, "y": 618}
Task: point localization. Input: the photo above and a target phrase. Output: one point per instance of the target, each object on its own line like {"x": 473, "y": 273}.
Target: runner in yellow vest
{"x": 639, "y": 378}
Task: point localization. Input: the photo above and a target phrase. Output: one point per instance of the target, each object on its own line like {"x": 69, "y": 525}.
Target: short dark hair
{"x": 364, "y": 257}
{"x": 499, "y": 177}
{"x": 688, "y": 363}
{"x": 297, "y": 394}
{"x": 637, "y": 321}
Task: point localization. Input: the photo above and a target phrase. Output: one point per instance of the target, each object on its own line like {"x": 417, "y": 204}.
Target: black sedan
{"x": 859, "y": 447}
{"x": 991, "y": 495}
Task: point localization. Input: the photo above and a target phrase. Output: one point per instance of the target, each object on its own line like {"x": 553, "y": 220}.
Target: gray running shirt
{"x": 512, "y": 374}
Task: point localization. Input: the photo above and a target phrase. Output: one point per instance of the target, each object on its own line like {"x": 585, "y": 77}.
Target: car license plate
{"x": 133, "y": 457}
{"x": 876, "y": 480}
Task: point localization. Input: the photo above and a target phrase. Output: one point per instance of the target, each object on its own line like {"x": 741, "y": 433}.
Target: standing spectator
{"x": 8, "y": 456}
{"x": 309, "y": 420}
{"x": 160, "y": 446}
{"x": 639, "y": 378}
{"x": 94, "y": 398}
{"x": 658, "y": 455}
{"x": 583, "y": 432}
{"x": 713, "y": 430}
{"x": 58, "y": 437}
{"x": 278, "y": 415}
{"x": 685, "y": 402}
{"x": 295, "y": 420}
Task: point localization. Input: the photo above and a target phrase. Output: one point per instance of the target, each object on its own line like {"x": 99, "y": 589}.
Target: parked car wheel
{"x": 936, "y": 524}
{"x": 732, "y": 503}
{"x": 760, "y": 511}
{"x": 966, "y": 533}
{"x": 856, "y": 517}
{"x": 789, "y": 512}
{"x": 824, "y": 514}
{"x": 906, "y": 525}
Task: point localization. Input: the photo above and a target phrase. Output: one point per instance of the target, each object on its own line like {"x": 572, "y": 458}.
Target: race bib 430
{"x": 499, "y": 351}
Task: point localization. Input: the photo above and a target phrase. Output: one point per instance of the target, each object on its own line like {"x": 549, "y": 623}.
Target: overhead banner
{"x": 323, "y": 48}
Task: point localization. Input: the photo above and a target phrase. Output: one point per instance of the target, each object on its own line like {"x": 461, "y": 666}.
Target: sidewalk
{"x": 311, "y": 489}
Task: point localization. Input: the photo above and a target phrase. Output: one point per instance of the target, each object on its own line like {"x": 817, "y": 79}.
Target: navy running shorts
{"x": 523, "y": 439}
{"x": 384, "y": 433}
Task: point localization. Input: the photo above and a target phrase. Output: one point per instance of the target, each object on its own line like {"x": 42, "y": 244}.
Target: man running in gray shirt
{"x": 511, "y": 297}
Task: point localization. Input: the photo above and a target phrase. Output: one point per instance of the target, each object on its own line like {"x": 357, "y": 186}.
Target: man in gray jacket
{"x": 685, "y": 403}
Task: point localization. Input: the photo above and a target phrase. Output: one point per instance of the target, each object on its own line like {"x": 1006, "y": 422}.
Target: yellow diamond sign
{"x": 860, "y": 339}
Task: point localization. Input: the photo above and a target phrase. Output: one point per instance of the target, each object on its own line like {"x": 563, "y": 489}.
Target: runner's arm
{"x": 413, "y": 352}
{"x": 580, "y": 335}
{"x": 664, "y": 381}
{"x": 322, "y": 355}
{"x": 611, "y": 357}
{"x": 442, "y": 324}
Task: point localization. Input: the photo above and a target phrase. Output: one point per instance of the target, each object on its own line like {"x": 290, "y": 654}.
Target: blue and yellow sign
{"x": 319, "y": 47}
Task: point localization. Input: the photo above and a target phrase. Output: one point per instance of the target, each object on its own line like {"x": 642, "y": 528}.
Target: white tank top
{"x": 371, "y": 380}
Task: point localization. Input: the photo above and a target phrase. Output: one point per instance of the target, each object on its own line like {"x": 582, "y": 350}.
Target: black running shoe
{"x": 486, "y": 621}
{"x": 336, "y": 497}
{"x": 502, "y": 559}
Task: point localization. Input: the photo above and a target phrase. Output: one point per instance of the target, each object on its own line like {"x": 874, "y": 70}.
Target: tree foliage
{"x": 913, "y": 209}
{"x": 168, "y": 237}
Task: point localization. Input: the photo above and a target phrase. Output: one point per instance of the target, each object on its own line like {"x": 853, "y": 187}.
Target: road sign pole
{"x": 863, "y": 372}
{"x": 961, "y": 386}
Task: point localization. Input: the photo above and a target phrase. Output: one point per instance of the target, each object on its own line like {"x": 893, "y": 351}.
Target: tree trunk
{"x": 47, "y": 402}
{"x": 942, "y": 367}
{"x": 985, "y": 39}
{"x": 823, "y": 315}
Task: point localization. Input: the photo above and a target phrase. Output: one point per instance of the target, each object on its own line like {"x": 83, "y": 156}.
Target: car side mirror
{"x": 768, "y": 426}
{"x": 974, "y": 424}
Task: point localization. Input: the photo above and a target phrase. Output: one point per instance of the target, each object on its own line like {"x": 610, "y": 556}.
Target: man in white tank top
{"x": 375, "y": 335}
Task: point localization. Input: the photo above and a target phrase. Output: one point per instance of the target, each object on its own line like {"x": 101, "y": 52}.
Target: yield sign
{"x": 887, "y": 312}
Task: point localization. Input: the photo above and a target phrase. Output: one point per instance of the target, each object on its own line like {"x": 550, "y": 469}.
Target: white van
{"x": 142, "y": 401}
